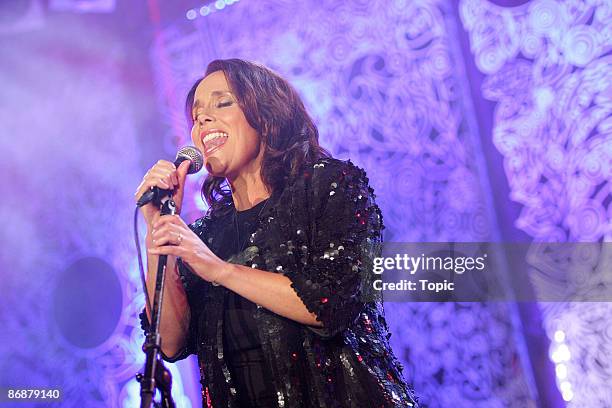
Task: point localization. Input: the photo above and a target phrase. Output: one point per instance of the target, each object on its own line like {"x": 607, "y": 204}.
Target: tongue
{"x": 216, "y": 142}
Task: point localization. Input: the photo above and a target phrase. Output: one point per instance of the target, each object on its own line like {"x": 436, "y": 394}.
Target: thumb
{"x": 182, "y": 170}
{"x": 181, "y": 173}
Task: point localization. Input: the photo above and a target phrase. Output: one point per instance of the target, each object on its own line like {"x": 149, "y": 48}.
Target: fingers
{"x": 167, "y": 236}
{"x": 165, "y": 173}
{"x": 162, "y": 175}
{"x": 168, "y": 250}
{"x": 169, "y": 219}
{"x": 169, "y": 229}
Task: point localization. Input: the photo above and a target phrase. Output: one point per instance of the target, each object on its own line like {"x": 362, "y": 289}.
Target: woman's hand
{"x": 171, "y": 236}
{"x": 166, "y": 176}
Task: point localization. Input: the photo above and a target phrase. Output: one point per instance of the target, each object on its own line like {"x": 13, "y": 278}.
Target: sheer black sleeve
{"x": 190, "y": 284}
{"x": 334, "y": 277}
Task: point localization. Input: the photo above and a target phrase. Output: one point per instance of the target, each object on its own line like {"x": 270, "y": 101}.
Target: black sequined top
{"x": 245, "y": 356}
{"x": 322, "y": 232}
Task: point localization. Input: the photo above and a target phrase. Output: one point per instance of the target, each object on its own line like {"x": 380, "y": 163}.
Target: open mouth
{"x": 213, "y": 141}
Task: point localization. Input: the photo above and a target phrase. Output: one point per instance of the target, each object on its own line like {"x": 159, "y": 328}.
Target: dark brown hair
{"x": 274, "y": 109}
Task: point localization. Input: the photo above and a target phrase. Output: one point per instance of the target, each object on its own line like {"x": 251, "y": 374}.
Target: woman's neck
{"x": 248, "y": 190}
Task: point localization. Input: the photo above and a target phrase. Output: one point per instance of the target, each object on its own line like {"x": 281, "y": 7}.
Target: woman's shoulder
{"x": 332, "y": 164}
{"x": 335, "y": 186}
{"x": 339, "y": 171}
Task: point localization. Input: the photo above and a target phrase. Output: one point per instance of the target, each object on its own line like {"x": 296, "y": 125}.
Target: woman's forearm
{"x": 174, "y": 323}
{"x": 267, "y": 289}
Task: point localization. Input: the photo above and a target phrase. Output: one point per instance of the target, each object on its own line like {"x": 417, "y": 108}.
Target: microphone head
{"x": 192, "y": 154}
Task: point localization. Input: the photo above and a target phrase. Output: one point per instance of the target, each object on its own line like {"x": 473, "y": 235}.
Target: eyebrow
{"x": 196, "y": 103}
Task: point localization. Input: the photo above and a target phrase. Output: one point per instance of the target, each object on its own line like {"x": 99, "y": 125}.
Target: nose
{"x": 203, "y": 117}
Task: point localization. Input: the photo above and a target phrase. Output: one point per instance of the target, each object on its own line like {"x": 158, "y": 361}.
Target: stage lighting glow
{"x": 566, "y": 390}
{"x": 561, "y": 371}
{"x": 559, "y": 336}
{"x": 209, "y": 8}
{"x": 565, "y": 386}
{"x": 560, "y": 354}
{"x": 191, "y": 14}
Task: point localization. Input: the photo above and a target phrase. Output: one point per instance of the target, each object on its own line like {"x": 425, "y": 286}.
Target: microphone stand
{"x": 156, "y": 375}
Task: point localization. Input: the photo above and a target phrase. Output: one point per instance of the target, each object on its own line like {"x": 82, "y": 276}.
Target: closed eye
{"x": 225, "y": 104}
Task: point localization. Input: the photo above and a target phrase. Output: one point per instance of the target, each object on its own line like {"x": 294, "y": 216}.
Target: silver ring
{"x": 180, "y": 238}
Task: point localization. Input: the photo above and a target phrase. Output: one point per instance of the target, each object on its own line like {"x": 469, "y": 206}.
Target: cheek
{"x": 195, "y": 138}
{"x": 248, "y": 145}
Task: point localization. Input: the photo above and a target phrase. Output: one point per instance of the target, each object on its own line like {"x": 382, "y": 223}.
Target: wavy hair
{"x": 274, "y": 109}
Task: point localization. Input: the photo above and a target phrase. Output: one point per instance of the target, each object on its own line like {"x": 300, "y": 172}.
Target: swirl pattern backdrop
{"x": 547, "y": 69}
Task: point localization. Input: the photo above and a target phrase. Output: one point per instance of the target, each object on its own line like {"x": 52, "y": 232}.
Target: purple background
{"x": 476, "y": 121}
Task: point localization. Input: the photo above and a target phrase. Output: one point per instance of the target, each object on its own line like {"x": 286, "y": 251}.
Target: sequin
{"x": 281, "y": 399}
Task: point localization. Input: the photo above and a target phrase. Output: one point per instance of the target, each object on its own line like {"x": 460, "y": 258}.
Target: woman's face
{"x": 221, "y": 131}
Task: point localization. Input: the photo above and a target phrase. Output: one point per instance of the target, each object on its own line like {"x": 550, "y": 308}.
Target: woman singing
{"x": 272, "y": 288}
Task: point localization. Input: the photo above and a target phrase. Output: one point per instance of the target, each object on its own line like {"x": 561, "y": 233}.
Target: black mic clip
{"x": 155, "y": 195}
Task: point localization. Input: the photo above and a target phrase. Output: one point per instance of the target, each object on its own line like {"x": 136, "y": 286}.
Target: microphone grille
{"x": 192, "y": 154}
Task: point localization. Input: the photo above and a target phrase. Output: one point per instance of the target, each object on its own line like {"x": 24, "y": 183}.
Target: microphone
{"x": 190, "y": 153}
